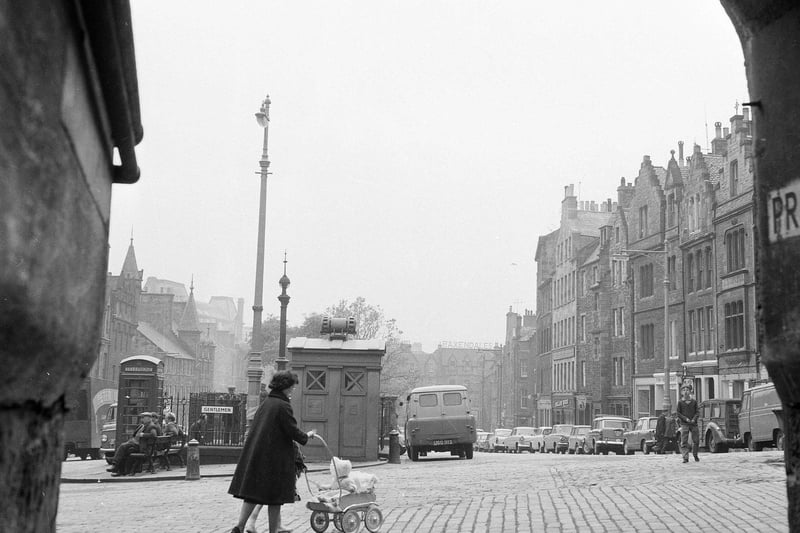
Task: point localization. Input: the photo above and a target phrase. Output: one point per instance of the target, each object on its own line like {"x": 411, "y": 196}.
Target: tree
{"x": 397, "y": 374}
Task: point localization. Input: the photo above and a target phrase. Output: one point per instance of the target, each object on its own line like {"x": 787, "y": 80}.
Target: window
{"x": 671, "y": 210}
{"x": 597, "y": 347}
{"x": 616, "y": 233}
{"x": 710, "y": 328}
{"x": 596, "y": 301}
{"x": 690, "y": 273}
{"x": 734, "y": 245}
{"x": 701, "y": 330}
{"x": 582, "y": 329}
{"x": 696, "y": 211}
{"x": 523, "y": 367}
{"x": 451, "y": 398}
{"x": 619, "y": 371}
{"x": 646, "y": 280}
{"x": 643, "y": 221}
{"x": 428, "y": 400}
{"x": 734, "y": 325}
{"x": 692, "y": 331}
{"x": 619, "y": 322}
{"x": 583, "y": 373}
{"x": 709, "y": 267}
{"x": 673, "y": 339}
{"x": 700, "y": 269}
{"x": 646, "y": 341}
{"x": 523, "y": 398}
{"x": 581, "y": 275}
{"x": 671, "y": 272}
{"x": 734, "y": 179}
{"x": 316, "y": 380}
{"x": 691, "y": 215}
{"x": 355, "y": 382}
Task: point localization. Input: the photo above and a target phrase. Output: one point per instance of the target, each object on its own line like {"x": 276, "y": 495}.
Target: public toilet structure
{"x": 339, "y": 391}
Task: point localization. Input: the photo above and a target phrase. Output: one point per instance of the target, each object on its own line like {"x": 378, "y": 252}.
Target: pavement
{"x": 74, "y": 470}
{"x": 493, "y": 493}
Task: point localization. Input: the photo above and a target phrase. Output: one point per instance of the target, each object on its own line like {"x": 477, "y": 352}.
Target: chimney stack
{"x": 718, "y": 130}
{"x": 680, "y": 153}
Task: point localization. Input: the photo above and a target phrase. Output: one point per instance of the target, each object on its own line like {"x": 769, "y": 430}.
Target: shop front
{"x": 563, "y": 409}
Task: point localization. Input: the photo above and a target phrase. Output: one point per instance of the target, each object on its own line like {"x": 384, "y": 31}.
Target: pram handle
{"x": 336, "y": 470}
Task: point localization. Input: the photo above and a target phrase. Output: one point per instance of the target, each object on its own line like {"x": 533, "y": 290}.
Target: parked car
{"x": 497, "y": 438}
{"x": 607, "y": 434}
{"x": 556, "y": 441}
{"x": 759, "y": 419}
{"x": 641, "y": 437}
{"x": 577, "y": 439}
{"x": 718, "y": 424}
{"x": 520, "y": 439}
{"x": 482, "y": 442}
{"x": 537, "y": 440}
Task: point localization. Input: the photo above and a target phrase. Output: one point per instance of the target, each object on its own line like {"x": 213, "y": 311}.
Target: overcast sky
{"x": 418, "y": 148}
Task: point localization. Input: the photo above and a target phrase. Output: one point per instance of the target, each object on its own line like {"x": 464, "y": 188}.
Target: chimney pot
{"x": 725, "y": 132}
{"x": 718, "y": 129}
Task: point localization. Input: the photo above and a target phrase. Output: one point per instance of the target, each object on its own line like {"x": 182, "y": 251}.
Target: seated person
{"x": 171, "y": 429}
{"x": 120, "y": 461}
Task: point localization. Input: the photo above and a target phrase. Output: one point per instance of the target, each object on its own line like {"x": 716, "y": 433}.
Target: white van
{"x": 438, "y": 419}
{"x": 759, "y": 424}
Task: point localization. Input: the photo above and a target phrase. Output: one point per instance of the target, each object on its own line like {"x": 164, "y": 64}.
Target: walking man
{"x": 688, "y": 413}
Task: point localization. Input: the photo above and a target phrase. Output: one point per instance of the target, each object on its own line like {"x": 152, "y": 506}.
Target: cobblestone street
{"x": 491, "y": 493}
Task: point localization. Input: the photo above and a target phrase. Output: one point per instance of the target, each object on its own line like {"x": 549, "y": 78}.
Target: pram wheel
{"x": 373, "y": 518}
{"x": 337, "y": 521}
{"x": 319, "y": 521}
{"x": 351, "y": 521}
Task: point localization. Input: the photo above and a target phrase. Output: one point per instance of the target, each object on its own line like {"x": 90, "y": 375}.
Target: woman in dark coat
{"x": 265, "y": 473}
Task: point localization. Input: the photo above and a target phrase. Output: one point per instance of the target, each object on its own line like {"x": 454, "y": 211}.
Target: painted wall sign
{"x": 783, "y": 212}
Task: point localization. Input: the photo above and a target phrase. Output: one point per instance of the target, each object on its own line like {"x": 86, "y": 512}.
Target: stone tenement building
{"x": 602, "y": 341}
{"x": 201, "y": 344}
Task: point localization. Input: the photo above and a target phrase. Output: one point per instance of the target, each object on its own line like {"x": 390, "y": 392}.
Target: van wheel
{"x": 468, "y": 452}
{"x": 711, "y": 443}
{"x": 587, "y": 450}
{"x": 779, "y": 440}
{"x": 752, "y": 445}
{"x": 413, "y": 453}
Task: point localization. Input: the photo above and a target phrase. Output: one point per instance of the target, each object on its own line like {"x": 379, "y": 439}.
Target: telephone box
{"x": 338, "y": 394}
{"x": 141, "y": 388}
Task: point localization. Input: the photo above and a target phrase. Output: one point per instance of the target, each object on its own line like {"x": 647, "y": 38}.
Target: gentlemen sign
{"x": 217, "y": 409}
{"x": 782, "y": 211}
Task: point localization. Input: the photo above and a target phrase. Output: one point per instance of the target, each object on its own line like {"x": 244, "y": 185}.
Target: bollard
{"x": 192, "y": 460}
{"x": 394, "y": 447}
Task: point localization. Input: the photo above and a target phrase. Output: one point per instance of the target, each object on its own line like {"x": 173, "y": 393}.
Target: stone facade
{"x": 681, "y": 232}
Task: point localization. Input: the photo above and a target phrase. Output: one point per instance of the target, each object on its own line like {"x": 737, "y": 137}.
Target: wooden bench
{"x": 146, "y": 453}
{"x": 169, "y": 447}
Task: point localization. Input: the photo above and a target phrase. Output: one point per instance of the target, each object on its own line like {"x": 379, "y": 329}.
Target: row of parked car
{"x": 754, "y": 422}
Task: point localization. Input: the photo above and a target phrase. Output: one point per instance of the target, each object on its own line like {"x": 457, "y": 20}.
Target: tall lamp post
{"x": 667, "y": 405}
{"x": 254, "y": 367}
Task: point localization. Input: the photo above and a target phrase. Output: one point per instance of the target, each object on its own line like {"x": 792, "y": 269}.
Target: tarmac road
{"x": 492, "y": 493}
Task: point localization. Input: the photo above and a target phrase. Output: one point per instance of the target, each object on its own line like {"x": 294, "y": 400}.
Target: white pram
{"x": 348, "y": 501}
